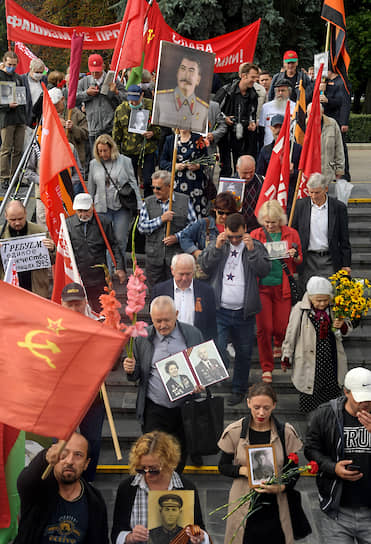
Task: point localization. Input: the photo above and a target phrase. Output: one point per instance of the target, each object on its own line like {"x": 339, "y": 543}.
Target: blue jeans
{"x": 353, "y": 525}
{"x": 120, "y": 220}
{"x": 232, "y": 326}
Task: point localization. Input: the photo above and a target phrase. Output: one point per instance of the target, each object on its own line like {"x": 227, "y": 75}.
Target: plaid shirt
{"x": 139, "y": 513}
{"x": 147, "y": 225}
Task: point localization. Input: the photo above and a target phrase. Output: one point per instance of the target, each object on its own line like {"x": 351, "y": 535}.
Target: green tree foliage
{"x": 3, "y": 40}
{"x": 70, "y": 13}
{"x": 359, "y": 45}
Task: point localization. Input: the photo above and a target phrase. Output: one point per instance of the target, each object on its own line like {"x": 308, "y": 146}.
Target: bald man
{"x": 36, "y": 281}
{"x": 194, "y": 299}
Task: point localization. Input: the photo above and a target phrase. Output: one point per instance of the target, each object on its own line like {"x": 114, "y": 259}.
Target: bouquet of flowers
{"x": 256, "y": 499}
{"x": 352, "y": 296}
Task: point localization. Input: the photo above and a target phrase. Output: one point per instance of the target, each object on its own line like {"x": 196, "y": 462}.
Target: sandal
{"x": 267, "y": 377}
{"x": 277, "y": 352}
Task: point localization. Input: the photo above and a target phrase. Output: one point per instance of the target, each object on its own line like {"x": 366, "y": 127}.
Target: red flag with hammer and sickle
{"x": 52, "y": 363}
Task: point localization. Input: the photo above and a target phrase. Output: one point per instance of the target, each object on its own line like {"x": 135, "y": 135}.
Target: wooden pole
{"x": 327, "y": 44}
{"x": 111, "y": 422}
{"x": 295, "y": 197}
{"x": 172, "y": 178}
{"x": 49, "y": 468}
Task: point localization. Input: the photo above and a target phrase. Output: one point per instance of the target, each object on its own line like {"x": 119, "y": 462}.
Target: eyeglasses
{"x": 223, "y": 212}
{"x": 237, "y": 237}
{"x": 156, "y": 188}
{"x": 148, "y": 470}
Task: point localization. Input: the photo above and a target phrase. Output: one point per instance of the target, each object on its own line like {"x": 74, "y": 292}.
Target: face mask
{"x": 37, "y": 76}
{"x": 138, "y": 107}
{"x": 10, "y": 69}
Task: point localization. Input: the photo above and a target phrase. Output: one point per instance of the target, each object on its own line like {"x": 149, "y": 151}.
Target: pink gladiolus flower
{"x": 139, "y": 329}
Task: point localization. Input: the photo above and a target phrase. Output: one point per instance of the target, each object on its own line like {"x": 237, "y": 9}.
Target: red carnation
{"x": 313, "y": 467}
{"x": 294, "y": 458}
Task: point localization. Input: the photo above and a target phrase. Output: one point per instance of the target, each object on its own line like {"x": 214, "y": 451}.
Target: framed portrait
{"x": 235, "y": 186}
{"x": 7, "y": 92}
{"x": 183, "y": 87}
{"x": 168, "y": 513}
{"x": 138, "y": 121}
{"x": 277, "y": 250}
{"x": 261, "y": 463}
{"x": 176, "y": 376}
{"x": 20, "y": 95}
{"x": 207, "y": 364}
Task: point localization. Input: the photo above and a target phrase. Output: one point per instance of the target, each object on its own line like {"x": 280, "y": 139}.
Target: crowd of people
{"x": 214, "y": 272}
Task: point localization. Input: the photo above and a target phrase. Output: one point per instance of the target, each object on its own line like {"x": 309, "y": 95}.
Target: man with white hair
{"x": 277, "y": 106}
{"x": 194, "y": 299}
{"x": 322, "y": 223}
{"x": 339, "y": 440}
{"x": 90, "y": 248}
{"x": 32, "y": 82}
{"x": 165, "y": 337}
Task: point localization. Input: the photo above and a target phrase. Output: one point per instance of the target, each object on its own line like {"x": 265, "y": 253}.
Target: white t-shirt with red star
{"x": 233, "y": 284}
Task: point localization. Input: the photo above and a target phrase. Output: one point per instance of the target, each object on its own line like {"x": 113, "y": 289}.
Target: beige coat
{"x": 40, "y": 277}
{"x": 332, "y": 151}
{"x": 300, "y": 347}
{"x": 230, "y": 442}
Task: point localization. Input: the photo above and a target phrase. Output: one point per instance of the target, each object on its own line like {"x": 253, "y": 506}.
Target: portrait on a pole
{"x": 183, "y": 86}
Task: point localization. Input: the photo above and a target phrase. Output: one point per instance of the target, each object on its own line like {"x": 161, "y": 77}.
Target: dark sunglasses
{"x": 156, "y": 188}
{"x": 148, "y": 470}
{"x": 223, "y": 212}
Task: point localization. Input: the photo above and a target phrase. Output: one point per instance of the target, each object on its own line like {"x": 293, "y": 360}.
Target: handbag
{"x": 292, "y": 282}
{"x": 127, "y": 196}
{"x": 203, "y": 422}
{"x": 299, "y": 521}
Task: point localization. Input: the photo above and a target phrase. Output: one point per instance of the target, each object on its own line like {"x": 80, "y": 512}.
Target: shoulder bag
{"x": 127, "y": 196}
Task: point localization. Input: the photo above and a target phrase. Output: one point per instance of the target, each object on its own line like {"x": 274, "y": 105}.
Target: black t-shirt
{"x": 69, "y": 522}
{"x": 24, "y": 278}
{"x": 357, "y": 447}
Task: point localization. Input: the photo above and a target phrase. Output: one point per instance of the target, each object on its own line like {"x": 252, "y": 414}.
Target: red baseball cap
{"x": 95, "y": 63}
{"x": 290, "y": 56}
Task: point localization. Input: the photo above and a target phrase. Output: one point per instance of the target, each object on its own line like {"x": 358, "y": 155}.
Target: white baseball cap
{"x": 82, "y": 201}
{"x": 55, "y": 95}
{"x": 358, "y": 382}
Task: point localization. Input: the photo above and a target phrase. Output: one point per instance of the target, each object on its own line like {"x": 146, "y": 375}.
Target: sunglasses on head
{"x": 148, "y": 470}
{"x": 223, "y": 212}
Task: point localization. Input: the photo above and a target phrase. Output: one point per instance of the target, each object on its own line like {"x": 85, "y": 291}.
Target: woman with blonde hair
{"x": 108, "y": 173}
{"x": 274, "y": 289}
{"x": 153, "y": 459}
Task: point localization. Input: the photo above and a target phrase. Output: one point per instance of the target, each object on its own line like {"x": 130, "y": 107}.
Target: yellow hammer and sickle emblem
{"x": 33, "y": 346}
{"x": 150, "y": 35}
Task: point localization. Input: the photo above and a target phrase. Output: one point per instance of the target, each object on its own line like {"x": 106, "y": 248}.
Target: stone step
{"x": 359, "y": 227}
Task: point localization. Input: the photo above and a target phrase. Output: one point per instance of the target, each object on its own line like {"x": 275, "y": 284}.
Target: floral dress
{"x": 190, "y": 183}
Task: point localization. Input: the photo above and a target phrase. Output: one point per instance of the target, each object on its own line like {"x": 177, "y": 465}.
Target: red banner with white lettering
{"x": 230, "y": 49}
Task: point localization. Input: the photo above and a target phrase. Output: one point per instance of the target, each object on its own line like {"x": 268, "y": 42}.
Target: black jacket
{"x": 324, "y": 443}
{"x": 125, "y": 497}
{"x": 90, "y": 250}
{"x": 11, "y": 116}
{"x": 338, "y": 234}
{"x": 39, "y": 499}
{"x": 339, "y": 104}
{"x": 225, "y": 97}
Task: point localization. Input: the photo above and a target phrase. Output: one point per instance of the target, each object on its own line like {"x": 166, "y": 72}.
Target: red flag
{"x": 55, "y": 156}
{"x": 77, "y": 43}
{"x": 8, "y": 437}
{"x": 127, "y": 53}
{"x": 65, "y": 269}
{"x": 24, "y": 58}
{"x": 52, "y": 363}
{"x": 310, "y": 158}
{"x": 276, "y": 182}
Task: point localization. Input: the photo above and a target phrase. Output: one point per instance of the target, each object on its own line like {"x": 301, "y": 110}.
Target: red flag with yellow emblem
{"x": 52, "y": 363}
